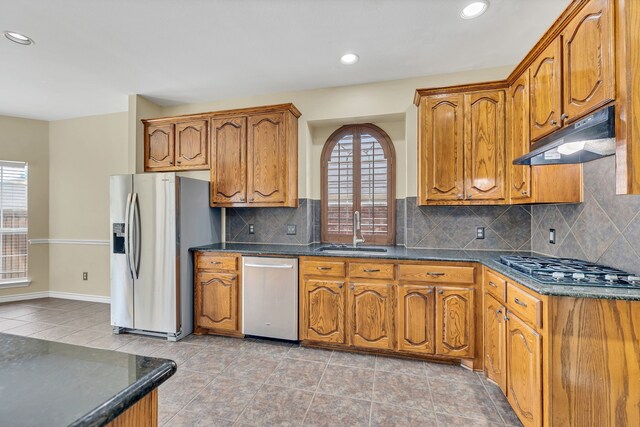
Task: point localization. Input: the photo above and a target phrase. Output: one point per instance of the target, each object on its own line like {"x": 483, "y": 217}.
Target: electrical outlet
{"x": 480, "y": 233}
{"x": 252, "y": 229}
{"x": 291, "y": 229}
{"x": 552, "y": 236}
{"x": 85, "y": 276}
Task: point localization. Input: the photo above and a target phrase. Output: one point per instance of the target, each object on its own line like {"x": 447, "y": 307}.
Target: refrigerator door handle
{"x": 127, "y": 234}
{"x": 137, "y": 234}
{"x": 131, "y": 232}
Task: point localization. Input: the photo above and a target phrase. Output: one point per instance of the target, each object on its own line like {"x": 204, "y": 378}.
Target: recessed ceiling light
{"x": 474, "y": 9}
{"x": 18, "y": 38}
{"x": 349, "y": 58}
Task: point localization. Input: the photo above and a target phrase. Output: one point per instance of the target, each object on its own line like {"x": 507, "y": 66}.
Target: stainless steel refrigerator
{"x": 155, "y": 219}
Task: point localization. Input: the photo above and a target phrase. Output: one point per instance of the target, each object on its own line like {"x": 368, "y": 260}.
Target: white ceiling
{"x": 90, "y": 54}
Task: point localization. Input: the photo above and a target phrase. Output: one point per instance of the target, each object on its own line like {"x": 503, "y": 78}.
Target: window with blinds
{"x": 358, "y": 175}
{"x": 13, "y": 221}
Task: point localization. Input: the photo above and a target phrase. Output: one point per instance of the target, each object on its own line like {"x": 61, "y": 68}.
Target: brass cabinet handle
{"x": 371, "y": 270}
{"x": 215, "y": 262}
{"x": 492, "y": 284}
{"x": 517, "y": 301}
{"x": 324, "y": 268}
{"x": 435, "y": 274}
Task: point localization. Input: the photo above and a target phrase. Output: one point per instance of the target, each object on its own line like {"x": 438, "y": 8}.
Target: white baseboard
{"x": 54, "y": 294}
{"x": 24, "y": 297}
{"x": 79, "y": 297}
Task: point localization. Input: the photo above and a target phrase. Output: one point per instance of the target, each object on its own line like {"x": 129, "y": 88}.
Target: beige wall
{"x": 84, "y": 153}
{"x": 323, "y": 109}
{"x": 27, "y": 140}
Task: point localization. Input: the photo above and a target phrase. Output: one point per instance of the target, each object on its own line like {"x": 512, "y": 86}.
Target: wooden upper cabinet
{"x": 518, "y": 140}
{"x": 441, "y": 148}
{"x": 495, "y": 335}
{"x": 415, "y": 319}
{"x": 454, "y": 322}
{"x": 192, "y": 144}
{"x": 524, "y": 371}
{"x": 266, "y": 159}
{"x": 588, "y": 58}
{"x": 484, "y": 137}
{"x": 546, "y": 91}
{"x": 216, "y": 301}
{"x": 159, "y": 147}
{"x": 323, "y": 311}
{"x": 371, "y": 315}
{"x": 228, "y": 160}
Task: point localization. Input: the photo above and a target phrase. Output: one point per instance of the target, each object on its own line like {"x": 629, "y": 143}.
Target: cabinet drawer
{"x": 495, "y": 285}
{"x": 217, "y": 262}
{"x": 323, "y": 268}
{"x": 371, "y": 270}
{"x": 437, "y": 274}
{"x": 528, "y": 307}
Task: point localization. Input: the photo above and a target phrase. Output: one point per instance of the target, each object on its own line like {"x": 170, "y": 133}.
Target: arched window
{"x": 358, "y": 174}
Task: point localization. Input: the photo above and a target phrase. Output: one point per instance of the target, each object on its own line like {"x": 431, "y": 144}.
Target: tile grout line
{"x": 315, "y": 392}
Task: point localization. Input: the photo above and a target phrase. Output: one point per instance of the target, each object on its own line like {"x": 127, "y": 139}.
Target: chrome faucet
{"x": 356, "y": 228}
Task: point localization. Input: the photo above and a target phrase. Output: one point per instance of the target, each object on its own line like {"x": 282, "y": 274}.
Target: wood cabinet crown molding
{"x": 276, "y": 108}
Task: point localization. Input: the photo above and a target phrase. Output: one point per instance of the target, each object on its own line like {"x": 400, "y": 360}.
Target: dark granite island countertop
{"x": 490, "y": 259}
{"x": 44, "y": 383}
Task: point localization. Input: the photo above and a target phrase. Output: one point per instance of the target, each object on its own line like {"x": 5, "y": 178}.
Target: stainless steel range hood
{"x": 588, "y": 139}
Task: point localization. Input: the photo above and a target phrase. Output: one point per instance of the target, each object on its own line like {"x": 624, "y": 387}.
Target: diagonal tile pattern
{"x": 232, "y": 382}
{"x": 604, "y": 229}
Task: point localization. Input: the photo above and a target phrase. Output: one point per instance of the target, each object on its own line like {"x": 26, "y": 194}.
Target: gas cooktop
{"x": 571, "y": 272}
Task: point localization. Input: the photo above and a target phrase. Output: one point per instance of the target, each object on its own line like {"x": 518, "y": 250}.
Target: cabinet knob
{"x": 460, "y": 196}
{"x": 553, "y": 122}
{"x": 351, "y": 287}
{"x": 499, "y": 311}
{"x": 564, "y": 116}
{"x": 340, "y": 286}
{"x": 469, "y": 196}
{"x": 179, "y": 161}
{"x": 525, "y": 192}
{"x": 170, "y": 162}
{"x": 441, "y": 292}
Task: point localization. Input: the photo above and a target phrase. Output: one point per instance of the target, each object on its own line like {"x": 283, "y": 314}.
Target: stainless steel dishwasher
{"x": 270, "y": 297}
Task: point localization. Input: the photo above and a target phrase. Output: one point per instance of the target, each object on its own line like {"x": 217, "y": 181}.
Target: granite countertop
{"x": 56, "y": 384}
{"x": 489, "y": 258}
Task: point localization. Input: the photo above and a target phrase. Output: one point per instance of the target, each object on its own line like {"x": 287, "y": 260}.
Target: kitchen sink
{"x": 349, "y": 250}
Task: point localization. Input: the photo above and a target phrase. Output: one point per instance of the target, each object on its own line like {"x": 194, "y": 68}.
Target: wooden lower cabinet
{"x": 495, "y": 335}
{"x": 416, "y": 319}
{"x": 371, "y": 315}
{"x": 524, "y": 371}
{"x": 454, "y": 322}
{"x": 323, "y": 311}
{"x": 216, "y": 301}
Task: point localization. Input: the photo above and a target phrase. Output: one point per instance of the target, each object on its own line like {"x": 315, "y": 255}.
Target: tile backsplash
{"x": 454, "y": 227}
{"x": 604, "y": 229}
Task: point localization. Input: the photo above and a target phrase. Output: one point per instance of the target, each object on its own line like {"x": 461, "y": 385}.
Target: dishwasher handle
{"x": 283, "y": 266}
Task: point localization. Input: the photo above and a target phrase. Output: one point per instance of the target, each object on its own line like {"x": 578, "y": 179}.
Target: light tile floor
{"x": 227, "y": 381}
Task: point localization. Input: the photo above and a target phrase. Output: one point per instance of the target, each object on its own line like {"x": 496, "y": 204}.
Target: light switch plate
{"x": 480, "y": 233}
{"x": 552, "y": 236}
{"x": 291, "y": 229}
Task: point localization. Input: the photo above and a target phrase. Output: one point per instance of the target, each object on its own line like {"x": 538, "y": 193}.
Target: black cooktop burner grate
{"x": 571, "y": 272}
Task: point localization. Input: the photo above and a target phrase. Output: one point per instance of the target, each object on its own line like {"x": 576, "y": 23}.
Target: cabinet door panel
{"x": 324, "y": 308}
{"x": 229, "y": 160}
{"x": 266, "y": 155}
{"x": 495, "y": 335}
{"x": 416, "y": 319}
{"x": 442, "y": 148}
{"x": 484, "y": 145}
{"x": 524, "y": 371}
{"x": 518, "y": 140}
{"x": 192, "y": 144}
{"x": 370, "y": 315}
{"x": 454, "y": 322}
{"x": 588, "y": 58}
{"x": 216, "y": 301}
{"x": 546, "y": 91}
{"x": 159, "y": 147}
